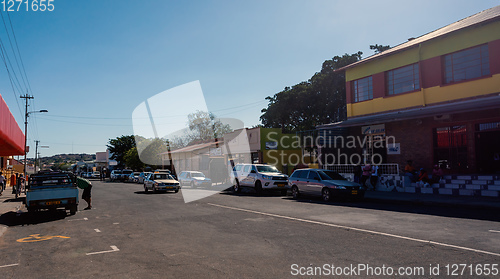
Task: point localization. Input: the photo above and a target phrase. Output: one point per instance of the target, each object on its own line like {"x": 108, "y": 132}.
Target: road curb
{"x": 433, "y": 203}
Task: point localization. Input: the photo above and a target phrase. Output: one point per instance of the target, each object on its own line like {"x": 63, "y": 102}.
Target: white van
{"x": 260, "y": 177}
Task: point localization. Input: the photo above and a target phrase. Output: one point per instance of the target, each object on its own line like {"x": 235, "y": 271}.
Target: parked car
{"x": 133, "y": 177}
{"x": 260, "y": 177}
{"x": 142, "y": 176}
{"x": 165, "y": 171}
{"x": 325, "y": 183}
{"x": 161, "y": 182}
{"x": 125, "y": 174}
{"x": 194, "y": 179}
{"x": 115, "y": 175}
{"x": 96, "y": 174}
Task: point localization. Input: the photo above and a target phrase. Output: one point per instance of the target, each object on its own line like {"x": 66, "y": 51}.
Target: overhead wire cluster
{"x": 14, "y": 65}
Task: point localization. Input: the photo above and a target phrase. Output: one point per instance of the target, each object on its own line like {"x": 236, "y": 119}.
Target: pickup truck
{"x": 52, "y": 190}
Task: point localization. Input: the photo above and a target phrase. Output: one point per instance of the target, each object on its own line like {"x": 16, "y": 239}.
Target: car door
{"x": 301, "y": 181}
{"x": 314, "y": 184}
{"x": 243, "y": 175}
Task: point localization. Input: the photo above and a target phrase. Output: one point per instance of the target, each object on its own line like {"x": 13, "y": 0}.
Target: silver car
{"x": 325, "y": 183}
{"x": 161, "y": 182}
{"x": 194, "y": 179}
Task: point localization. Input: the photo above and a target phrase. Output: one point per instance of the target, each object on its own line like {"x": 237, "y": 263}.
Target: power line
{"x": 19, "y": 52}
{"x": 13, "y": 50}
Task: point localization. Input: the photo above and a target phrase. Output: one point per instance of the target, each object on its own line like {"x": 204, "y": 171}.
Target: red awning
{"x": 11, "y": 136}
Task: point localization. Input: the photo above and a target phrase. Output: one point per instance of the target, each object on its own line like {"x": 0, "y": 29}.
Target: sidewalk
{"x": 431, "y": 199}
{"x": 9, "y": 203}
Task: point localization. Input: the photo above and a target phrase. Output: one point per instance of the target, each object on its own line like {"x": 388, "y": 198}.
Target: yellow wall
{"x": 432, "y": 95}
{"x": 434, "y": 48}
{"x": 429, "y": 49}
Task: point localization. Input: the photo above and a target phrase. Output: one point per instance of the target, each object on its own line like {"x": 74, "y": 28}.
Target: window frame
{"x": 355, "y": 87}
{"x": 481, "y": 65}
{"x": 416, "y": 80}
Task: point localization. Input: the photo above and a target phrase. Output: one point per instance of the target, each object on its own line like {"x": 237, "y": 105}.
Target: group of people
{"x": 422, "y": 177}
{"x": 365, "y": 173}
{"x": 16, "y": 181}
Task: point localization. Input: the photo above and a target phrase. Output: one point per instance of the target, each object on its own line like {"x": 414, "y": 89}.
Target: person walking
{"x": 86, "y": 185}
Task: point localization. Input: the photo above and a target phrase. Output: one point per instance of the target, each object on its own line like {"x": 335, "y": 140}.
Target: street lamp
{"x": 26, "y": 132}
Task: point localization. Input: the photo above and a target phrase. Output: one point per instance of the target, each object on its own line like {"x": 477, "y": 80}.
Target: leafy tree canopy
{"x": 319, "y": 100}
{"x": 379, "y": 48}
{"x": 203, "y": 126}
{"x": 118, "y": 148}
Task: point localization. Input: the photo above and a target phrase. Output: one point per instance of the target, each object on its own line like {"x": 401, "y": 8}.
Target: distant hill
{"x": 66, "y": 158}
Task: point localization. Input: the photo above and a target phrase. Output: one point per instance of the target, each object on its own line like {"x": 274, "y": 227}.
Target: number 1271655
{"x": 27, "y": 5}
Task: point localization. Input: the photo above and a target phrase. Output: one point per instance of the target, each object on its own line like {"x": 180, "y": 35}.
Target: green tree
{"x": 379, "y": 48}
{"x": 118, "y": 148}
{"x": 204, "y": 126}
{"x": 132, "y": 159}
{"x": 320, "y": 100}
{"x": 150, "y": 150}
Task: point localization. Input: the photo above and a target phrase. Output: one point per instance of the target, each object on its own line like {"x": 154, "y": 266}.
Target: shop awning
{"x": 11, "y": 136}
{"x": 485, "y": 103}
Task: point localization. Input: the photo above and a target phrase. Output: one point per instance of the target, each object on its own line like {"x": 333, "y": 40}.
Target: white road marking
{"x": 116, "y": 223}
{"x": 97, "y": 230}
{"x": 357, "y": 229}
{"x": 9, "y": 265}
{"x": 84, "y": 219}
{"x": 115, "y": 249}
{"x": 494, "y": 231}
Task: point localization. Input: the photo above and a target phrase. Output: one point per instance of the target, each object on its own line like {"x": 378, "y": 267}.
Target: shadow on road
{"x": 151, "y": 192}
{"x": 23, "y": 218}
{"x": 453, "y": 211}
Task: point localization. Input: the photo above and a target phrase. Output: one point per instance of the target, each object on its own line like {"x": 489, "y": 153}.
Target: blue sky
{"x": 91, "y": 63}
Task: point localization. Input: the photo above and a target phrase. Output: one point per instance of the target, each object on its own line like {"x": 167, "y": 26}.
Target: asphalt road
{"x": 131, "y": 234}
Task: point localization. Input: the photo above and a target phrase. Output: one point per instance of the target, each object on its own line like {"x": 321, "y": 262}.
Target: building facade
{"x": 434, "y": 99}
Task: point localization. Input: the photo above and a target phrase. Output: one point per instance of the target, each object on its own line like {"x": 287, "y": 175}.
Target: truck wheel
{"x": 295, "y": 192}
{"x": 236, "y": 187}
{"x": 258, "y": 187}
{"x": 326, "y": 194}
{"x": 73, "y": 209}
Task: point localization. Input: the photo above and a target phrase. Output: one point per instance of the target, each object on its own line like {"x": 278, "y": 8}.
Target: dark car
{"x": 325, "y": 183}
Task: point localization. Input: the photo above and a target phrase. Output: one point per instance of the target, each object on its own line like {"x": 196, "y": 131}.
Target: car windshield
{"x": 117, "y": 172}
{"x": 162, "y": 176}
{"x": 197, "y": 174}
{"x": 127, "y": 172}
{"x": 330, "y": 175}
{"x": 267, "y": 169}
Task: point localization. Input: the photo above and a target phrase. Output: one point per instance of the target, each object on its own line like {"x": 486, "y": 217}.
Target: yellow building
{"x": 436, "y": 96}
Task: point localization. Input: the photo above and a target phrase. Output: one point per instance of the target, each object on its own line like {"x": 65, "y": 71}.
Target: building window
{"x": 467, "y": 64}
{"x": 363, "y": 89}
{"x": 402, "y": 80}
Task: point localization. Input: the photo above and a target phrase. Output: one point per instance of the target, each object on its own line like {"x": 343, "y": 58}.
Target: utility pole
{"x": 36, "y": 152}
{"x": 26, "y": 98}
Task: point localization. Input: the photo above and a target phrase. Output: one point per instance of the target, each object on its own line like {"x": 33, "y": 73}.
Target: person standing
{"x": 86, "y": 185}
{"x": 357, "y": 173}
{"x": 374, "y": 177}
{"x": 367, "y": 170}
{"x": 2, "y": 183}
{"x": 13, "y": 183}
